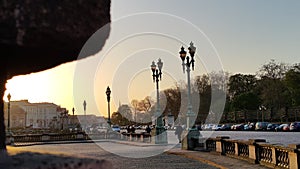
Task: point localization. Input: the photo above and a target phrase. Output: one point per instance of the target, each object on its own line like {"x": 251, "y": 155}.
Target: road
{"x": 283, "y": 138}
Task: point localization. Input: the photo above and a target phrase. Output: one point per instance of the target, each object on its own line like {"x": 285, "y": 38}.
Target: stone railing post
{"x": 220, "y": 148}
{"x": 273, "y": 155}
{"x": 254, "y": 149}
{"x": 236, "y": 148}
{"x": 294, "y": 156}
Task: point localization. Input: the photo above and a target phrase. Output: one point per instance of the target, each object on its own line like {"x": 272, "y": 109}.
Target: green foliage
{"x": 276, "y": 87}
{"x": 246, "y": 101}
{"x": 273, "y": 91}
{"x": 239, "y": 84}
{"x": 292, "y": 81}
{"x": 173, "y": 101}
{"x": 117, "y": 118}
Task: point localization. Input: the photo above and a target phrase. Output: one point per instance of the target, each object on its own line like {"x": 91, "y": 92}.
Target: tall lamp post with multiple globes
{"x": 188, "y": 63}
{"x": 160, "y": 132}
{"x": 8, "y": 112}
{"x": 108, "y": 92}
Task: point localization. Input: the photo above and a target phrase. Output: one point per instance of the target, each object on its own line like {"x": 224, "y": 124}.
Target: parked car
{"x": 252, "y": 126}
{"x": 271, "y": 127}
{"x": 226, "y": 127}
{"x": 208, "y": 126}
{"x": 116, "y": 128}
{"x": 295, "y": 126}
{"x": 247, "y": 127}
{"x": 238, "y": 127}
{"x": 217, "y": 127}
{"x": 261, "y": 126}
{"x": 282, "y": 127}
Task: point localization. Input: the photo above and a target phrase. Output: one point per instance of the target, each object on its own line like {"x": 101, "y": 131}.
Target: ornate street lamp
{"x": 188, "y": 63}
{"x": 160, "y": 132}
{"x": 73, "y": 120}
{"x": 262, "y": 108}
{"x": 8, "y": 112}
{"x": 108, "y": 92}
{"x": 84, "y": 108}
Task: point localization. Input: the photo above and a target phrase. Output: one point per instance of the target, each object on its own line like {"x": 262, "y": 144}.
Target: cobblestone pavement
{"x": 91, "y": 150}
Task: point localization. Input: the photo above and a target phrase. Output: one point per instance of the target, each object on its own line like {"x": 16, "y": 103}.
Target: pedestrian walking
{"x": 178, "y": 132}
{"x": 148, "y": 129}
{"x": 128, "y": 129}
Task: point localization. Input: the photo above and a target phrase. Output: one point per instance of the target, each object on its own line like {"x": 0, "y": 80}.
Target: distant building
{"x": 36, "y": 115}
{"x": 47, "y": 115}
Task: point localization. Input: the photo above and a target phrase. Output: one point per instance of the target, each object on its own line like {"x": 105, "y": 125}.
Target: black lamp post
{"x": 156, "y": 74}
{"x": 108, "y": 92}
{"x": 8, "y": 112}
{"x": 161, "y": 134}
{"x": 262, "y": 108}
{"x": 84, "y": 108}
{"x": 188, "y": 62}
{"x": 73, "y": 119}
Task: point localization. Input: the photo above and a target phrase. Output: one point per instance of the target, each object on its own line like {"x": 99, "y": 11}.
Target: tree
{"x": 126, "y": 113}
{"x": 117, "y": 118}
{"x": 273, "y": 70}
{"x": 204, "y": 90}
{"x": 245, "y": 102}
{"x": 292, "y": 81}
{"x": 273, "y": 92}
{"x": 135, "y": 105}
{"x": 218, "y": 83}
{"x": 173, "y": 101}
{"x": 239, "y": 84}
{"x": 242, "y": 95}
{"x": 145, "y": 104}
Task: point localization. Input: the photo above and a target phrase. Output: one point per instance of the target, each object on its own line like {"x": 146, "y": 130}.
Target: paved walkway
{"x": 173, "y": 158}
{"x": 212, "y": 159}
{"x": 215, "y": 160}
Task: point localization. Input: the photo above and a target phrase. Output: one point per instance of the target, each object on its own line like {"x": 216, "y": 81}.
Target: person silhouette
{"x": 178, "y": 132}
{"x": 148, "y": 129}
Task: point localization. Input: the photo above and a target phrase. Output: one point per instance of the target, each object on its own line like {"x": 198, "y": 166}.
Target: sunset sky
{"x": 237, "y": 36}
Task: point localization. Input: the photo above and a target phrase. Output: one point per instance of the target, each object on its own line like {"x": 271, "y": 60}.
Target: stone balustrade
{"x": 49, "y": 137}
{"x": 256, "y": 151}
{"x": 139, "y": 137}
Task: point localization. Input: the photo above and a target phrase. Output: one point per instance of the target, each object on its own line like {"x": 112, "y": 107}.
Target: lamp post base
{"x": 159, "y": 135}
{"x": 191, "y": 138}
